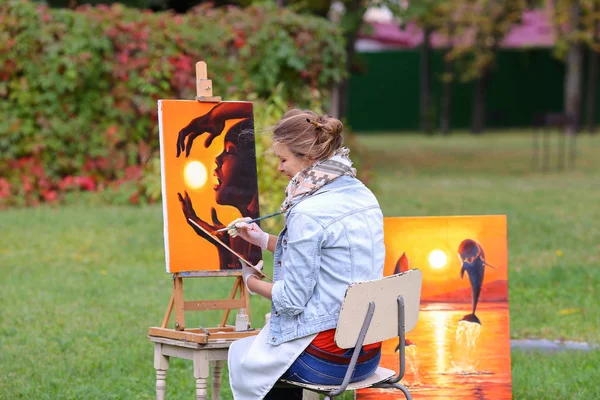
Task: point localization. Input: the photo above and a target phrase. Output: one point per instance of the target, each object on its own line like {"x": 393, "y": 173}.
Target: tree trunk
{"x": 425, "y": 73}
{"x": 445, "y": 126}
{"x": 343, "y": 91}
{"x": 334, "y": 101}
{"x": 591, "y": 92}
{"x": 573, "y": 76}
{"x": 479, "y": 99}
{"x": 355, "y": 12}
{"x": 593, "y": 77}
{"x": 446, "y": 106}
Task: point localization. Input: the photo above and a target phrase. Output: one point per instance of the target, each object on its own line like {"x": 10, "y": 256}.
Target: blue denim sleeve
{"x": 301, "y": 261}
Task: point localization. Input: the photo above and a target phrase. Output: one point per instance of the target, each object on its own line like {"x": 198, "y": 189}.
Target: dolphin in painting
{"x": 472, "y": 256}
{"x": 403, "y": 265}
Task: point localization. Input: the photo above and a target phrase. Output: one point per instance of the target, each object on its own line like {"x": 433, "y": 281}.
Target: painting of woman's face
{"x": 196, "y": 205}
{"x": 227, "y": 172}
{"x": 235, "y": 171}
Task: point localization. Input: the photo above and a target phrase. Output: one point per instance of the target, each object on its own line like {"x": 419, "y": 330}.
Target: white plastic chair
{"x": 372, "y": 312}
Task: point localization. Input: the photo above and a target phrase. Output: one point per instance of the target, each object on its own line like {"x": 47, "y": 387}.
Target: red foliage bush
{"x": 79, "y": 89}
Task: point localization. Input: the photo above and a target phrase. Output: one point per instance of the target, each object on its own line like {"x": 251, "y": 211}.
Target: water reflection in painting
{"x": 460, "y": 347}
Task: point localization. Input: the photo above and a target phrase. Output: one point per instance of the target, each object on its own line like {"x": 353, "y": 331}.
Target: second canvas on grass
{"x": 460, "y": 347}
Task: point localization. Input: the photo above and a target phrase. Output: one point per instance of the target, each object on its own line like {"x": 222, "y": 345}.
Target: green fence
{"x": 384, "y": 92}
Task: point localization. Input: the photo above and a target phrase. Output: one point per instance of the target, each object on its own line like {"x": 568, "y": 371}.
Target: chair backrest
{"x": 384, "y": 292}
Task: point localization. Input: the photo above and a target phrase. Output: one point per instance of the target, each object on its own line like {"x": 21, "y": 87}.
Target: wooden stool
{"x": 203, "y": 355}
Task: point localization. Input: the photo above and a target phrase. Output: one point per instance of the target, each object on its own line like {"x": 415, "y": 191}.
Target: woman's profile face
{"x": 228, "y": 164}
{"x": 289, "y": 164}
{"x": 235, "y": 171}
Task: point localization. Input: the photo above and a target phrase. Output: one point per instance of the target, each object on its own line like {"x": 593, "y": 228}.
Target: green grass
{"x": 564, "y": 375}
{"x": 81, "y": 284}
{"x": 553, "y": 218}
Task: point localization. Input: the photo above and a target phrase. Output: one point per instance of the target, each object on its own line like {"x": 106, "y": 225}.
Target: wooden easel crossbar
{"x": 203, "y": 335}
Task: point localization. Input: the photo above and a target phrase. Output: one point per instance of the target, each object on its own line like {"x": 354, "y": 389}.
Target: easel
{"x": 222, "y": 332}
{"x": 206, "y": 347}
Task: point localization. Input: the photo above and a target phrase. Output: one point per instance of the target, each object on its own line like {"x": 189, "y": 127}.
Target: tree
{"x": 487, "y": 22}
{"x": 430, "y": 16}
{"x": 568, "y": 13}
{"x": 576, "y": 25}
{"x": 447, "y": 78}
{"x": 350, "y": 21}
{"x": 591, "y": 26}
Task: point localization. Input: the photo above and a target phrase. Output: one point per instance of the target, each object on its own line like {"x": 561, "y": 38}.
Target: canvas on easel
{"x": 460, "y": 347}
{"x": 209, "y": 178}
{"x": 209, "y": 175}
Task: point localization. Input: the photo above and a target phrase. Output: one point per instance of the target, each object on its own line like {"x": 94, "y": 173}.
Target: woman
{"x": 333, "y": 236}
{"x": 235, "y": 173}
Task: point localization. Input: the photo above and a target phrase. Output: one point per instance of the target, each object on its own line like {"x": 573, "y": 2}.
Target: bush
{"x": 79, "y": 88}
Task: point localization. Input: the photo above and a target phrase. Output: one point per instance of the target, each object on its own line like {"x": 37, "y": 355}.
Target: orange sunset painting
{"x": 208, "y": 170}
{"x": 460, "y": 347}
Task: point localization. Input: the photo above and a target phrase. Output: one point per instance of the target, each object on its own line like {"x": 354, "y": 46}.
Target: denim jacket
{"x": 330, "y": 240}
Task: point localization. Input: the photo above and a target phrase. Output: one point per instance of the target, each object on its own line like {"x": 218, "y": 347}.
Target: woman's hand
{"x": 251, "y": 278}
{"x": 248, "y": 271}
{"x": 249, "y": 232}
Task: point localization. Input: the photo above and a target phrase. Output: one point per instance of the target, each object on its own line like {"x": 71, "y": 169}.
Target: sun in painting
{"x": 438, "y": 259}
{"x": 195, "y": 174}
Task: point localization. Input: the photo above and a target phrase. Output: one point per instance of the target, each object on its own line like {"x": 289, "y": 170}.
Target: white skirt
{"x": 255, "y": 365}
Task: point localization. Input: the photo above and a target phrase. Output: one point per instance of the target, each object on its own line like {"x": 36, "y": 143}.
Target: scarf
{"x": 313, "y": 178}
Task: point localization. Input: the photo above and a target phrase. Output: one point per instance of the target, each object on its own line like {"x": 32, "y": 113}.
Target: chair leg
{"x": 390, "y": 384}
{"x": 403, "y": 389}
{"x": 406, "y": 393}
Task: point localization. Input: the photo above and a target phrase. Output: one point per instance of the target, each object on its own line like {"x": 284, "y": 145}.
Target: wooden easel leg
{"x": 168, "y": 313}
{"x": 246, "y": 297}
{"x": 238, "y": 283}
{"x": 217, "y": 372}
{"x": 178, "y": 303}
{"x": 161, "y": 364}
{"x": 201, "y": 370}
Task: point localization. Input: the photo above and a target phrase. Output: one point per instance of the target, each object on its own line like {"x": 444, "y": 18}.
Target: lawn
{"x": 81, "y": 284}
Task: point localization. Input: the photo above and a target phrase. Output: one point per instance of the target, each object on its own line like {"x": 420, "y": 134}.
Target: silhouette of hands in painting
{"x": 226, "y": 259}
{"x": 211, "y": 123}
{"x": 198, "y": 126}
{"x": 190, "y": 213}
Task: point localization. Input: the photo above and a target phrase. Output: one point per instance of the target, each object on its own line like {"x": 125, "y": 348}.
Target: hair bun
{"x": 332, "y": 126}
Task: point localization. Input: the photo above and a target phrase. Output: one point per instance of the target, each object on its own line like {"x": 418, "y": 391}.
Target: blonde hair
{"x": 309, "y": 135}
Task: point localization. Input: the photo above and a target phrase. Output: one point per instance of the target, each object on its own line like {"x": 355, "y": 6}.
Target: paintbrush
{"x": 251, "y": 221}
{"x": 231, "y": 250}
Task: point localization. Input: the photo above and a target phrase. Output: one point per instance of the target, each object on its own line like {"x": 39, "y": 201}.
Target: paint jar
{"x": 242, "y": 322}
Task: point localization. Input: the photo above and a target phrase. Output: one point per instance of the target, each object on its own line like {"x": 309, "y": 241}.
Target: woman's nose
{"x": 280, "y": 167}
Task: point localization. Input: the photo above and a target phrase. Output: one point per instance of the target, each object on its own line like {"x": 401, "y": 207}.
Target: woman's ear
{"x": 309, "y": 162}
